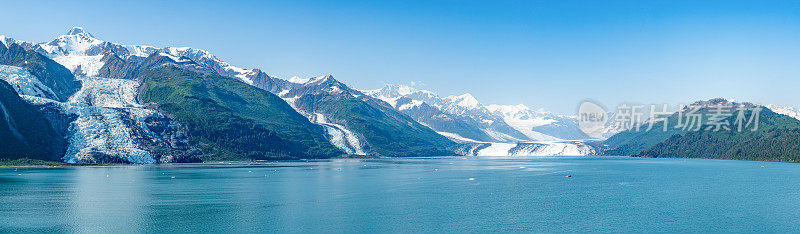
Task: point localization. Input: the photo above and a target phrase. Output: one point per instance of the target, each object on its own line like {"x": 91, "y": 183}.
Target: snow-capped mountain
{"x": 85, "y": 55}
{"x": 785, "y": 110}
{"x": 539, "y": 125}
{"x": 464, "y": 102}
{"x": 295, "y": 88}
{"x": 489, "y": 130}
{"x": 356, "y": 123}
{"x": 464, "y": 110}
{"x": 82, "y": 53}
{"x": 371, "y": 122}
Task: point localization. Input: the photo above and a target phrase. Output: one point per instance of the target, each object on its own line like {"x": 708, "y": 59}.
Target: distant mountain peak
{"x": 6, "y": 41}
{"x": 312, "y": 80}
{"x": 465, "y": 100}
{"x": 79, "y": 31}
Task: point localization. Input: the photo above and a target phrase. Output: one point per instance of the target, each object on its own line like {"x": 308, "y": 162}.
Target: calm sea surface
{"x": 612, "y": 194}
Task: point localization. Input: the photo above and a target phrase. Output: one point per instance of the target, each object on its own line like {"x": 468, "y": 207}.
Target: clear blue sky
{"x": 545, "y": 54}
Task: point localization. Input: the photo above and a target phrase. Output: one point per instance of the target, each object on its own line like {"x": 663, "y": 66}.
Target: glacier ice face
{"x": 497, "y": 149}
{"x": 546, "y": 148}
{"x": 570, "y": 148}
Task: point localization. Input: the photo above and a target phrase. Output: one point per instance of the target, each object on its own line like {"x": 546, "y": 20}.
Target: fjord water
{"x": 400, "y": 195}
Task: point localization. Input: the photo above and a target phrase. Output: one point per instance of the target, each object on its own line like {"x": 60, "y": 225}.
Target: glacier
{"x": 105, "y": 131}
{"x": 543, "y": 148}
{"x": 340, "y": 136}
{"x": 107, "y": 115}
{"x": 106, "y": 120}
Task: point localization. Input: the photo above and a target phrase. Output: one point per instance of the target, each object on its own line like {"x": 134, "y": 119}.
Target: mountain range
{"x": 142, "y": 104}
{"x": 463, "y": 117}
{"x": 79, "y": 99}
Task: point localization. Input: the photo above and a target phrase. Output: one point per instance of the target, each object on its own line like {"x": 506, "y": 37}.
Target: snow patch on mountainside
{"x": 89, "y": 65}
{"x": 308, "y": 81}
{"x": 7, "y": 41}
{"x": 391, "y": 93}
{"x": 412, "y": 104}
{"x": 298, "y": 80}
{"x": 207, "y": 59}
{"x": 465, "y": 100}
{"x": 24, "y": 82}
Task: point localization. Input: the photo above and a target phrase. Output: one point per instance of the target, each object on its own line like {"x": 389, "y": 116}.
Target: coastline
{"x": 41, "y": 164}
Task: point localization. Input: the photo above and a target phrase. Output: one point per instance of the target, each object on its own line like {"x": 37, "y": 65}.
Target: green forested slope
{"x": 230, "y": 120}
{"x": 776, "y": 139}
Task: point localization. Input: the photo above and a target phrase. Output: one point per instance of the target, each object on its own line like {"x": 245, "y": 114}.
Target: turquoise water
{"x": 409, "y": 195}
